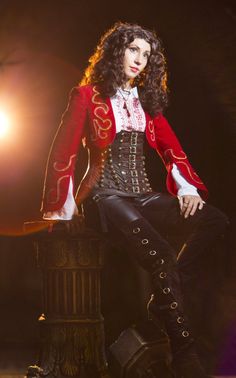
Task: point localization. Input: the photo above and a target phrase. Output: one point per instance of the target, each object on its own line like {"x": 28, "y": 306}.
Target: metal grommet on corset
{"x": 173, "y": 305}
{"x": 162, "y": 275}
{"x": 136, "y": 230}
{"x": 185, "y": 333}
{"x": 152, "y": 252}
{"x": 144, "y": 241}
{"x": 166, "y": 290}
{"x": 180, "y": 319}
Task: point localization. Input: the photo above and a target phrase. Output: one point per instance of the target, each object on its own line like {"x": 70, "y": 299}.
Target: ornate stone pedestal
{"x": 71, "y": 326}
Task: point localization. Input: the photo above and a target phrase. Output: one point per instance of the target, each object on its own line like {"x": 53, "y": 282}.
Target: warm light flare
{"x": 4, "y": 124}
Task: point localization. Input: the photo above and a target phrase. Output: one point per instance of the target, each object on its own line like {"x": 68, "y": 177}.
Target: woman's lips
{"x": 134, "y": 69}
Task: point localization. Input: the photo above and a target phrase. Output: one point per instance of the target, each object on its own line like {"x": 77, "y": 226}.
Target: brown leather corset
{"x": 121, "y": 166}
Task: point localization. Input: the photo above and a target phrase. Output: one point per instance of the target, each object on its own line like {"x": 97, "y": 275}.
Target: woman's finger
{"x": 180, "y": 204}
{"x": 188, "y": 208}
{"x": 201, "y": 204}
{"x": 186, "y": 202}
{"x": 194, "y": 207}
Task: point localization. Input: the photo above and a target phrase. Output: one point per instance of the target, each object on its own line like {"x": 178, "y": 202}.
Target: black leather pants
{"x": 139, "y": 222}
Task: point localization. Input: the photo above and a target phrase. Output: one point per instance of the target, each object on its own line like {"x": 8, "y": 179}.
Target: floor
{"x": 14, "y": 361}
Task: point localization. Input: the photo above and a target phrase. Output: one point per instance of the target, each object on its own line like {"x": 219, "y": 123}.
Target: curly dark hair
{"x": 106, "y": 66}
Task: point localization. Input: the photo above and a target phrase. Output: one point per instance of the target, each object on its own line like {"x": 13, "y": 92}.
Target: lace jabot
{"x": 128, "y": 111}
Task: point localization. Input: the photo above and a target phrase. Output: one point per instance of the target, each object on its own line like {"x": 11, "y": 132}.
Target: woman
{"x": 118, "y": 104}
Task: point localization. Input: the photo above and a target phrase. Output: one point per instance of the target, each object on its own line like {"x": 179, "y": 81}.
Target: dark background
{"x": 44, "y": 48}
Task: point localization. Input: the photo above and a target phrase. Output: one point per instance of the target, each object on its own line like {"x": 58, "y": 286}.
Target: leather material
{"x": 156, "y": 256}
{"x": 124, "y": 165}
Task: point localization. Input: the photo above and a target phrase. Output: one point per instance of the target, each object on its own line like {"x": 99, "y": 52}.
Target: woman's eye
{"x": 132, "y": 49}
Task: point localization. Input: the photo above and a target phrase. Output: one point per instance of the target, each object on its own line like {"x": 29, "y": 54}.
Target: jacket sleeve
{"x": 63, "y": 152}
{"x": 171, "y": 152}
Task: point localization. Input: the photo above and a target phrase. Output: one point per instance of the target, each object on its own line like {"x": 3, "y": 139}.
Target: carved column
{"x": 72, "y": 329}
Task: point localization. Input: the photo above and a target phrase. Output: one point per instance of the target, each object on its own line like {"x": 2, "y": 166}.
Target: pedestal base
{"x": 72, "y": 329}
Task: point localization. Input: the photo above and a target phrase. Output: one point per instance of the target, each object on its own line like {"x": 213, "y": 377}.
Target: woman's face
{"x": 136, "y": 57}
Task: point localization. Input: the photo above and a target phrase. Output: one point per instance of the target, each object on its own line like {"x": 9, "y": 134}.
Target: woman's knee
{"x": 148, "y": 247}
{"x": 216, "y": 217}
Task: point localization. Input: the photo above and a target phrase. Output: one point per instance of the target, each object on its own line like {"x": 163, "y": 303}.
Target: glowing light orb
{"x": 4, "y": 124}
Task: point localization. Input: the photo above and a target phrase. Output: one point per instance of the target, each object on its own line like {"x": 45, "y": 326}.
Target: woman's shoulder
{"x": 88, "y": 89}
{"x": 84, "y": 87}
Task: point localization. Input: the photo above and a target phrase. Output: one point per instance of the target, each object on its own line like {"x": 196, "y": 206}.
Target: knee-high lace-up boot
{"x": 155, "y": 255}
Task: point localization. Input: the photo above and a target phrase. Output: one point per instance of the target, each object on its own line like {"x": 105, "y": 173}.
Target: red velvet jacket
{"x": 90, "y": 117}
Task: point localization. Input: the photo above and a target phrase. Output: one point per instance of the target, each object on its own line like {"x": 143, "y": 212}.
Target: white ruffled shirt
{"x": 135, "y": 121}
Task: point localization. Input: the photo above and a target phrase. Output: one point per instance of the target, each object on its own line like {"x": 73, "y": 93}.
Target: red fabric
{"x": 62, "y": 156}
{"x": 91, "y": 117}
{"x": 170, "y": 150}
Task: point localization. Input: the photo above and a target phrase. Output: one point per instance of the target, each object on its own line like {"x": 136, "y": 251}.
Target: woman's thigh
{"x": 160, "y": 209}
{"x": 109, "y": 213}
{"x": 199, "y": 231}
{"x": 163, "y": 211}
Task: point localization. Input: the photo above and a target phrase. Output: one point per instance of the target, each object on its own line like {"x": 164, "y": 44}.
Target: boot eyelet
{"x": 162, "y": 261}
{"x": 185, "y": 333}
{"x": 144, "y": 241}
{"x": 152, "y": 252}
{"x": 173, "y": 305}
{"x": 136, "y": 230}
{"x": 180, "y": 319}
{"x": 166, "y": 290}
{"x": 162, "y": 275}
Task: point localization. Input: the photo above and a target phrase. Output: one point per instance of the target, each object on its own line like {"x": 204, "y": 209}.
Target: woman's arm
{"x": 171, "y": 152}
{"x": 183, "y": 186}
{"x": 63, "y": 153}
{"x": 68, "y": 210}
{"x": 189, "y": 199}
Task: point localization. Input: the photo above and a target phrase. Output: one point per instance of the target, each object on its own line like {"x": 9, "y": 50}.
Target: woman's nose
{"x": 137, "y": 61}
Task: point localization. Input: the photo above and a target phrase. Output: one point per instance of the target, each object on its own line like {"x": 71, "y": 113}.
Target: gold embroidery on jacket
{"x": 66, "y": 167}
{"x": 101, "y": 125}
{"x": 58, "y": 191}
{"x": 151, "y": 129}
{"x": 183, "y": 157}
{"x": 190, "y": 173}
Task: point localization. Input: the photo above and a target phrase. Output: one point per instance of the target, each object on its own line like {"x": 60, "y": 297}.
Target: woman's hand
{"x": 75, "y": 225}
{"x": 189, "y": 204}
